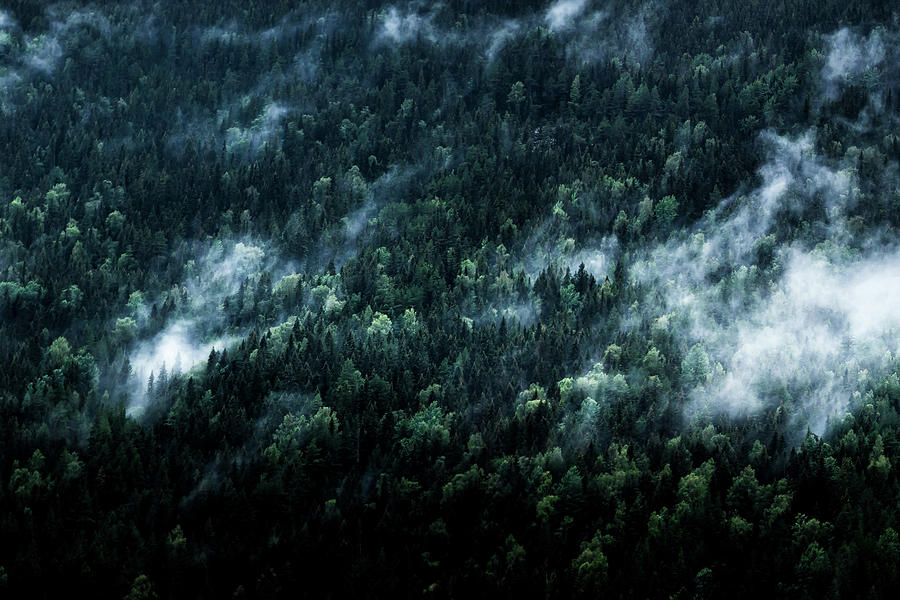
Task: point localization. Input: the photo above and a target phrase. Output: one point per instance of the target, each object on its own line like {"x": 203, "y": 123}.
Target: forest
{"x": 545, "y": 298}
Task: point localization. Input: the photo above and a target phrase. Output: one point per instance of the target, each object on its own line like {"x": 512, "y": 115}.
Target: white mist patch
{"x": 373, "y": 196}
{"x": 402, "y": 26}
{"x": 28, "y": 57}
{"x": 44, "y": 52}
{"x": 235, "y": 33}
{"x": 416, "y": 21}
{"x": 636, "y": 34}
{"x": 248, "y": 141}
{"x": 221, "y": 270}
{"x": 200, "y": 322}
{"x": 798, "y": 340}
{"x": 542, "y": 250}
{"x": 499, "y": 37}
{"x": 6, "y": 20}
{"x": 516, "y": 314}
{"x": 731, "y": 233}
{"x": 7, "y": 81}
{"x": 808, "y": 342}
{"x": 560, "y": 14}
{"x": 356, "y": 222}
{"x": 862, "y": 292}
{"x": 244, "y": 139}
{"x": 521, "y": 313}
{"x": 251, "y": 120}
{"x": 230, "y": 34}
{"x": 588, "y": 35}
{"x": 850, "y": 56}
{"x": 593, "y": 35}
{"x": 177, "y": 349}
{"x": 599, "y": 262}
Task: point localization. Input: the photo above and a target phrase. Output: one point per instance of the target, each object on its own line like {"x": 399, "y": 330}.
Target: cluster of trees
{"x": 411, "y": 412}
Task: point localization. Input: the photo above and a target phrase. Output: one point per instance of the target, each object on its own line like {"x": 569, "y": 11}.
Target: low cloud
{"x": 247, "y": 142}
{"x": 251, "y": 121}
{"x": 178, "y": 348}
{"x": 589, "y": 35}
{"x": 561, "y": 14}
{"x": 236, "y": 33}
{"x": 344, "y": 240}
{"x": 402, "y": 25}
{"x": 854, "y": 58}
{"x": 199, "y": 320}
{"x": 499, "y": 36}
{"x": 27, "y": 56}
{"x": 6, "y": 20}
{"x": 592, "y": 36}
{"x": 764, "y": 323}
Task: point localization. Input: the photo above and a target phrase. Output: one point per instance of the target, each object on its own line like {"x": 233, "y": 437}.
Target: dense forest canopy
{"x": 560, "y": 298}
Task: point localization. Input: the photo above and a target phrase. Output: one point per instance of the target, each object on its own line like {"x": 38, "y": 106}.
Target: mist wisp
{"x": 561, "y": 14}
{"x": 796, "y": 327}
{"x": 400, "y": 25}
{"x": 589, "y": 33}
{"x": 198, "y": 320}
{"x": 855, "y": 59}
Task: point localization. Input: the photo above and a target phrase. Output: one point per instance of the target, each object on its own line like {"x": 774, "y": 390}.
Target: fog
{"x": 813, "y": 343}
{"x": 27, "y": 56}
{"x": 30, "y": 56}
{"x": 6, "y": 20}
{"x": 400, "y": 25}
{"x": 178, "y": 348}
{"x": 417, "y": 21}
{"x": 589, "y": 31}
{"x": 250, "y": 119}
{"x": 794, "y": 328}
{"x": 234, "y": 32}
{"x": 198, "y": 322}
{"x": 857, "y": 59}
{"x": 588, "y": 35}
{"x": 551, "y": 245}
{"x": 799, "y": 332}
{"x": 246, "y": 142}
{"x": 220, "y": 290}
{"x": 760, "y": 320}
{"x": 244, "y": 119}
{"x": 593, "y": 32}
{"x": 353, "y": 229}
{"x": 561, "y": 14}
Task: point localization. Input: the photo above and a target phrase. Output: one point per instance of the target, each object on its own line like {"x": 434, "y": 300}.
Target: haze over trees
{"x": 563, "y": 298}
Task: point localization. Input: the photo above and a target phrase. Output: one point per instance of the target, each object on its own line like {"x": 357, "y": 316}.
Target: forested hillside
{"x": 569, "y": 299}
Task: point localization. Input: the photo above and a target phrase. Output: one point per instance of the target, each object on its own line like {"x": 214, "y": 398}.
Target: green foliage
{"x": 427, "y": 432}
{"x": 695, "y": 368}
{"x": 422, "y": 392}
{"x": 381, "y": 325}
{"x": 665, "y": 212}
{"x": 141, "y": 589}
